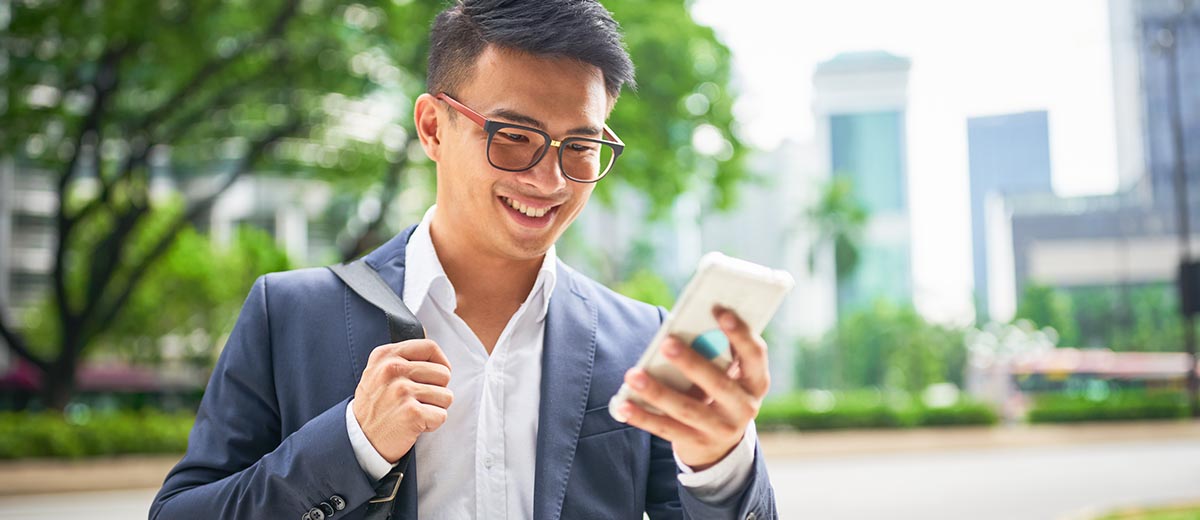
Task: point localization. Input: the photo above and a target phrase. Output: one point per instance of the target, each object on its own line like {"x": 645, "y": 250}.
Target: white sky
{"x": 969, "y": 58}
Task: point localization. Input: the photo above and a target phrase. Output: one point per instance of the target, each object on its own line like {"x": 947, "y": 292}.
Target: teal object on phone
{"x": 711, "y": 344}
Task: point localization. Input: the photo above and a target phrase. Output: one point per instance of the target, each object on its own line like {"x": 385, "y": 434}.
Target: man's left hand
{"x": 703, "y": 426}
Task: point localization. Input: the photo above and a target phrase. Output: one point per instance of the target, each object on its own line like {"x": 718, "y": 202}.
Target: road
{"x": 1028, "y": 483}
{"x": 1053, "y": 482}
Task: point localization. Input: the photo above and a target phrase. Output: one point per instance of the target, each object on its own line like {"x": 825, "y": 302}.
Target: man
{"x": 502, "y": 411}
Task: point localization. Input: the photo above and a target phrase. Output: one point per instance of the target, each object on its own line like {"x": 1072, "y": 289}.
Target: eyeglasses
{"x": 512, "y": 147}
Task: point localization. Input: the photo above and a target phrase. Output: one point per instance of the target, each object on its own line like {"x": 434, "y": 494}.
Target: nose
{"x": 546, "y": 175}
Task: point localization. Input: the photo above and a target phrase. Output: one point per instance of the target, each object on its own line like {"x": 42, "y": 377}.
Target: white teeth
{"x": 526, "y": 210}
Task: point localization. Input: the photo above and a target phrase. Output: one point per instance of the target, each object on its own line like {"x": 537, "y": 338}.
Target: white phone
{"x": 752, "y": 291}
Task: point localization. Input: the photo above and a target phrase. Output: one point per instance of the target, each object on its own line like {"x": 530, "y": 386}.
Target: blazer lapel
{"x": 388, "y": 260}
{"x": 567, "y": 356}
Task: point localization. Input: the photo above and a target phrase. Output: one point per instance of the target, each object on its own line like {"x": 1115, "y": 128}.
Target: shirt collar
{"x": 425, "y": 280}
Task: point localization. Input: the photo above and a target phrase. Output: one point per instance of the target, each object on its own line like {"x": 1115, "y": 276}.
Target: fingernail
{"x": 727, "y": 321}
{"x": 638, "y": 381}
{"x": 671, "y": 347}
{"x": 625, "y": 410}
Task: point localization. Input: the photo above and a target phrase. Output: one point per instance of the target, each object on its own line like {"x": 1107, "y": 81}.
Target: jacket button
{"x": 326, "y": 508}
{"x": 751, "y": 516}
{"x": 306, "y": 517}
{"x": 338, "y": 502}
{"x": 316, "y": 514}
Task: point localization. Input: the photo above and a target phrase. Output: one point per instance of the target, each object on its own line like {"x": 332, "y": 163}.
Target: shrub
{"x": 51, "y": 434}
{"x": 820, "y": 410}
{"x": 1125, "y": 405}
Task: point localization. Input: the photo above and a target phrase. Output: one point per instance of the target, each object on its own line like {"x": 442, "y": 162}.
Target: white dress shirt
{"x": 481, "y": 462}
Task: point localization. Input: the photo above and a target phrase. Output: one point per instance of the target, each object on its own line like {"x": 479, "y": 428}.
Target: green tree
{"x": 1133, "y": 318}
{"x": 648, "y": 287}
{"x": 105, "y": 96}
{"x": 885, "y": 346}
{"x": 1048, "y": 307}
{"x": 838, "y": 218}
{"x": 193, "y": 293}
{"x": 1154, "y": 322}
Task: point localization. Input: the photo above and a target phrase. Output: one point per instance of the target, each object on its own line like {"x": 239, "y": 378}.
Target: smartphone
{"x": 752, "y": 291}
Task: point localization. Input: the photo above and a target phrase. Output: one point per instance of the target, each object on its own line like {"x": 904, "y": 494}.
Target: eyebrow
{"x": 523, "y": 119}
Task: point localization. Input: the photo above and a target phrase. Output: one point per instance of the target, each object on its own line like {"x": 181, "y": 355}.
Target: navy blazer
{"x": 270, "y": 437}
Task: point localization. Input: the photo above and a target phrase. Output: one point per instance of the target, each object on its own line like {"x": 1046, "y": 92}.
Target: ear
{"x": 426, "y": 116}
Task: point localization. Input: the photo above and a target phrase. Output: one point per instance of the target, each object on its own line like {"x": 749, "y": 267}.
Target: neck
{"x": 481, "y": 277}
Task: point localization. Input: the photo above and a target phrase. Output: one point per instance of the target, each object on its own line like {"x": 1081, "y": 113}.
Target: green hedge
{"x": 1117, "y": 406}
{"x": 866, "y": 410}
{"x": 51, "y": 434}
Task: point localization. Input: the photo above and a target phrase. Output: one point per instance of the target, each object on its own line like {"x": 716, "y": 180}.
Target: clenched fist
{"x": 402, "y": 394}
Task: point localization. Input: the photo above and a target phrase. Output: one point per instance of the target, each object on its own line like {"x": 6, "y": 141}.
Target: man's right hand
{"x": 402, "y": 394}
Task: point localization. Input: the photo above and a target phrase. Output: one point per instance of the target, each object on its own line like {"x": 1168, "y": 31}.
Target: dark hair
{"x": 581, "y": 30}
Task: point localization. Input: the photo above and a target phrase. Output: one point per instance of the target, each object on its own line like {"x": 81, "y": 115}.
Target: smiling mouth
{"x": 528, "y": 211}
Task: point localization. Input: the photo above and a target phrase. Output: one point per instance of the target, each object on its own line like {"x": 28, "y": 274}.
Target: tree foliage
{"x": 884, "y": 346}
{"x": 839, "y": 218}
{"x": 112, "y": 98}
{"x": 1047, "y": 307}
{"x": 1123, "y": 318}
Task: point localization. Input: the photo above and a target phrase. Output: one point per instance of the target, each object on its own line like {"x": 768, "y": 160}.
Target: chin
{"x": 528, "y": 249}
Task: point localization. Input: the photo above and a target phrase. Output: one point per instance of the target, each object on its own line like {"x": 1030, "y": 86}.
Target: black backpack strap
{"x": 366, "y": 282}
{"x": 402, "y": 325}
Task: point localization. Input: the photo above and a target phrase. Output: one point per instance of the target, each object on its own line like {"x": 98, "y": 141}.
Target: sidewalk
{"x": 140, "y": 472}
{"x": 850, "y": 442}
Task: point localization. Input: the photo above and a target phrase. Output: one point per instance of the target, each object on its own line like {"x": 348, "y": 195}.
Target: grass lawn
{"x": 1178, "y": 512}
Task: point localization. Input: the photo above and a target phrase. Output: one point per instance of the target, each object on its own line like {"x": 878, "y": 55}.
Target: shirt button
{"x": 488, "y": 462}
{"x": 338, "y": 502}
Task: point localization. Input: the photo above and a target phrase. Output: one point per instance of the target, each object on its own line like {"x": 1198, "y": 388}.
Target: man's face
{"x": 477, "y": 199}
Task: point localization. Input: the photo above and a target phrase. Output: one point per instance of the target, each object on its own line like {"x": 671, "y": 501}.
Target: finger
{"x": 658, "y": 425}
{"x": 438, "y": 396}
{"x": 432, "y": 417}
{"x": 422, "y": 350}
{"x": 714, "y": 382}
{"x": 749, "y": 349}
{"x": 683, "y": 408}
{"x": 386, "y": 351}
{"x": 380, "y": 352}
{"x": 420, "y": 371}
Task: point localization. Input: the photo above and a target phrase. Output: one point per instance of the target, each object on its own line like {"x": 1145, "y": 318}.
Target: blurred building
{"x": 859, "y": 101}
{"x": 1128, "y": 238}
{"x": 28, "y": 203}
{"x": 1009, "y": 154}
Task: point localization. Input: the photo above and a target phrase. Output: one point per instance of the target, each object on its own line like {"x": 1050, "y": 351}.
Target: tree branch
{"x": 212, "y": 68}
{"x": 17, "y": 344}
{"x": 168, "y": 239}
{"x": 106, "y": 255}
{"x": 103, "y": 84}
{"x": 391, "y": 185}
{"x": 138, "y": 157}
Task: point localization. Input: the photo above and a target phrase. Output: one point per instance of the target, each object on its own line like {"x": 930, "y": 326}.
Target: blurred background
{"x": 988, "y": 208}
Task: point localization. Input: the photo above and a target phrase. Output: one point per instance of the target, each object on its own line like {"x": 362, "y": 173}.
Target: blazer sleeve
{"x": 666, "y": 497}
{"x": 237, "y": 466}
{"x": 756, "y": 501}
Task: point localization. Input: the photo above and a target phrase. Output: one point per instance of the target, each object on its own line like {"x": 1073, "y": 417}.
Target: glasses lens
{"x": 513, "y": 148}
{"x": 585, "y": 159}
